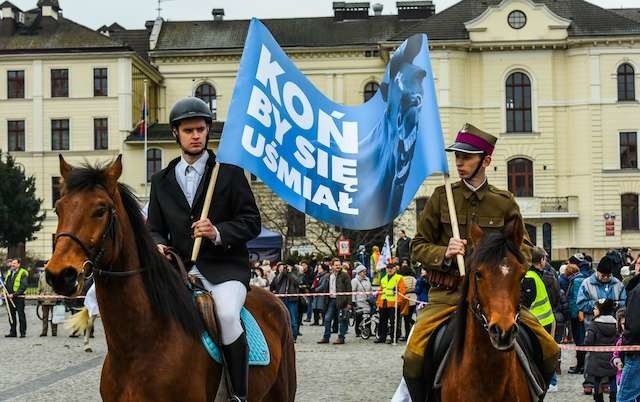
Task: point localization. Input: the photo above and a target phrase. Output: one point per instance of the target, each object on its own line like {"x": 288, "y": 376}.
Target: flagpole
{"x": 454, "y": 220}
{"x": 144, "y": 130}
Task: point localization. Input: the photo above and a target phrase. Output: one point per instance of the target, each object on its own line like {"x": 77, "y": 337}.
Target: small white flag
{"x": 385, "y": 255}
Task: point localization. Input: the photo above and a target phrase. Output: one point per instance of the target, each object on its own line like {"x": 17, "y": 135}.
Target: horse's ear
{"x": 65, "y": 168}
{"x": 476, "y": 235}
{"x": 113, "y": 173}
{"x": 514, "y": 230}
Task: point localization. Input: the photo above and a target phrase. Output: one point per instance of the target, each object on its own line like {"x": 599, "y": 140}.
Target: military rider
{"x": 175, "y": 205}
{"x": 477, "y": 202}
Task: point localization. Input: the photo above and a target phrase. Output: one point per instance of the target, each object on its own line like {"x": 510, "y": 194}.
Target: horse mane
{"x": 170, "y": 300}
{"x": 491, "y": 250}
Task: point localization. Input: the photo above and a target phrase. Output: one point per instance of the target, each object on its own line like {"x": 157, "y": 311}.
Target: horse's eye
{"x": 478, "y": 275}
{"x": 100, "y": 212}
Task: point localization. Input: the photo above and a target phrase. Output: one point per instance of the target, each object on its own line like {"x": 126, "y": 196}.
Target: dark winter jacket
{"x": 574, "y": 286}
{"x": 422, "y": 289}
{"x": 320, "y": 302}
{"x": 631, "y": 334}
{"x": 601, "y": 331}
{"x": 286, "y": 283}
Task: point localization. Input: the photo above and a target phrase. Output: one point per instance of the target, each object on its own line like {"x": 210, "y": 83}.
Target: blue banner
{"x": 356, "y": 167}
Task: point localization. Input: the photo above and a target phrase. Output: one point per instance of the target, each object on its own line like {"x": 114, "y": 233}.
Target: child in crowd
{"x": 602, "y": 331}
{"x": 616, "y": 357}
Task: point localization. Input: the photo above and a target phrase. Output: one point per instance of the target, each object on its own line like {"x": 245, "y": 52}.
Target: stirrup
{"x": 236, "y": 398}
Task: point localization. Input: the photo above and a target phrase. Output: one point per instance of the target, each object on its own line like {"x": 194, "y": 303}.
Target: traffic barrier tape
{"x": 612, "y": 348}
{"x": 49, "y": 297}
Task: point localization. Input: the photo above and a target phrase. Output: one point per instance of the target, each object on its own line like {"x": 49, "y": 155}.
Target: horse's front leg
{"x": 87, "y": 334}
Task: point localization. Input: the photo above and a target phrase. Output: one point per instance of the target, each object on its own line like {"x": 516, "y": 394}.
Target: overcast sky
{"x": 133, "y": 13}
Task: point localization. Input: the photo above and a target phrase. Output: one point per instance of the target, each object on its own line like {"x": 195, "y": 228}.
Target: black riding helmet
{"x": 189, "y": 108}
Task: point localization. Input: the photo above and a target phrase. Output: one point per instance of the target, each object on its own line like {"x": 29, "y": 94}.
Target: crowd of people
{"x": 583, "y": 302}
{"x": 330, "y": 290}
{"x": 592, "y": 304}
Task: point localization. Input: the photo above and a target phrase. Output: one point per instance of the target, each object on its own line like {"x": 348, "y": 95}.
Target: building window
{"x": 60, "y": 83}
{"x": 55, "y": 190}
{"x": 207, "y": 93}
{"x": 101, "y": 133}
{"x": 520, "y": 177}
{"x": 15, "y": 133}
{"x": 629, "y": 204}
{"x": 15, "y": 84}
{"x": 370, "y": 89}
{"x": 100, "y": 83}
{"x": 626, "y": 83}
{"x": 296, "y": 223}
{"x": 60, "y": 135}
{"x": 517, "y": 19}
{"x": 628, "y": 151}
{"x": 518, "y": 103}
{"x": 154, "y": 162}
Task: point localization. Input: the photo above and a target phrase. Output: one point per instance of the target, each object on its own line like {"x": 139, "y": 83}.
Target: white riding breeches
{"x": 402, "y": 393}
{"x": 229, "y": 298}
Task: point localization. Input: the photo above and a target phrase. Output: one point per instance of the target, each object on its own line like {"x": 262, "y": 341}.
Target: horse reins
{"x": 95, "y": 254}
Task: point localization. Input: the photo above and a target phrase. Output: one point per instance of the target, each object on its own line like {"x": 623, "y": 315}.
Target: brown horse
{"x": 152, "y": 327}
{"x": 484, "y": 365}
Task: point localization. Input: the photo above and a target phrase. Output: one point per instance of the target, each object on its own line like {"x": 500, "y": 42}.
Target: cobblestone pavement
{"x": 39, "y": 369}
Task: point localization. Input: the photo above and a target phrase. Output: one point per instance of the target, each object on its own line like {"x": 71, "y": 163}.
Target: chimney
{"x": 350, "y": 11}
{"x": 377, "y": 9}
{"x": 218, "y": 14}
{"x": 155, "y": 33}
{"x": 414, "y": 10}
{"x": 148, "y": 25}
{"x": 104, "y": 30}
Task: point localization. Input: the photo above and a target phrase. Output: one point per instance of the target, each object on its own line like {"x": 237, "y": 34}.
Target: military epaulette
{"x": 504, "y": 193}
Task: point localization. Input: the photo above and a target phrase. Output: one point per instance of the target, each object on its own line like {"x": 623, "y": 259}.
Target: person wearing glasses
{"x": 599, "y": 286}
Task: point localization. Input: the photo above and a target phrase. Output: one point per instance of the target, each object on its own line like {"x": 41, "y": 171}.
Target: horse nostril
{"x": 504, "y": 337}
{"x": 65, "y": 283}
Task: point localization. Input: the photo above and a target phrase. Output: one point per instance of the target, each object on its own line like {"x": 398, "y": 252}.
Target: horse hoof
{"x": 88, "y": 349}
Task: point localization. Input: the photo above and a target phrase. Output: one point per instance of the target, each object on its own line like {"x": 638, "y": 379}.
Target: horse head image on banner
{"x": 350, "y": 166}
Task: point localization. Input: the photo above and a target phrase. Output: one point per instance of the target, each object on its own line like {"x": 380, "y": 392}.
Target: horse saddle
{"x": 438, "y": 350}
{"x": 258, "y": 348}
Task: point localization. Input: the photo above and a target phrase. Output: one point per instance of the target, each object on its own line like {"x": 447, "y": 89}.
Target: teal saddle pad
{"x": 258, "y": 348}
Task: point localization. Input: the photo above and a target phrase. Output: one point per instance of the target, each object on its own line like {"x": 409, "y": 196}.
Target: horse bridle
{"x": 478, "y": 311}
{"x": 95, "y": 253}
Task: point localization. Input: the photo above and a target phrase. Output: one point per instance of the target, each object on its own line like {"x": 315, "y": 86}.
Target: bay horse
{"x": 152, "y": 328}
{"x": 484, "y": 365}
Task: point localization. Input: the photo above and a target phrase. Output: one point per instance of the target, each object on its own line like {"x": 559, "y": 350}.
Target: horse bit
{"x": 95, "y": 254}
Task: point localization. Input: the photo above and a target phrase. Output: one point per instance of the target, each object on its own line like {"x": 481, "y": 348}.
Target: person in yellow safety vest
{"x": 534, "y": 293}
{"x": 386, "y": 302}
{"x": 535, "y": 297}
{"x": 16, "y": 284}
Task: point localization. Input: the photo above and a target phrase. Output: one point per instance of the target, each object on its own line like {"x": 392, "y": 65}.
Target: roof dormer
{"x": 517, "y": 20}
{"x": 49, "y": 8}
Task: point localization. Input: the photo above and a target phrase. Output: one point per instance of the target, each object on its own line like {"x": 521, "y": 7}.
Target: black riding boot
{"x": 236, "y": 356}
{"x": 417, "y": 389}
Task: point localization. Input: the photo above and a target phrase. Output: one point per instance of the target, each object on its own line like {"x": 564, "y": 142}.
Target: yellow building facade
{"x": 70, "y": 92}
{"x": 554, "y": 81}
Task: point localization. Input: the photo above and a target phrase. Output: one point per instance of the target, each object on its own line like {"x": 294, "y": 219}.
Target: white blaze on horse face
{"x": 505, "y": 269}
